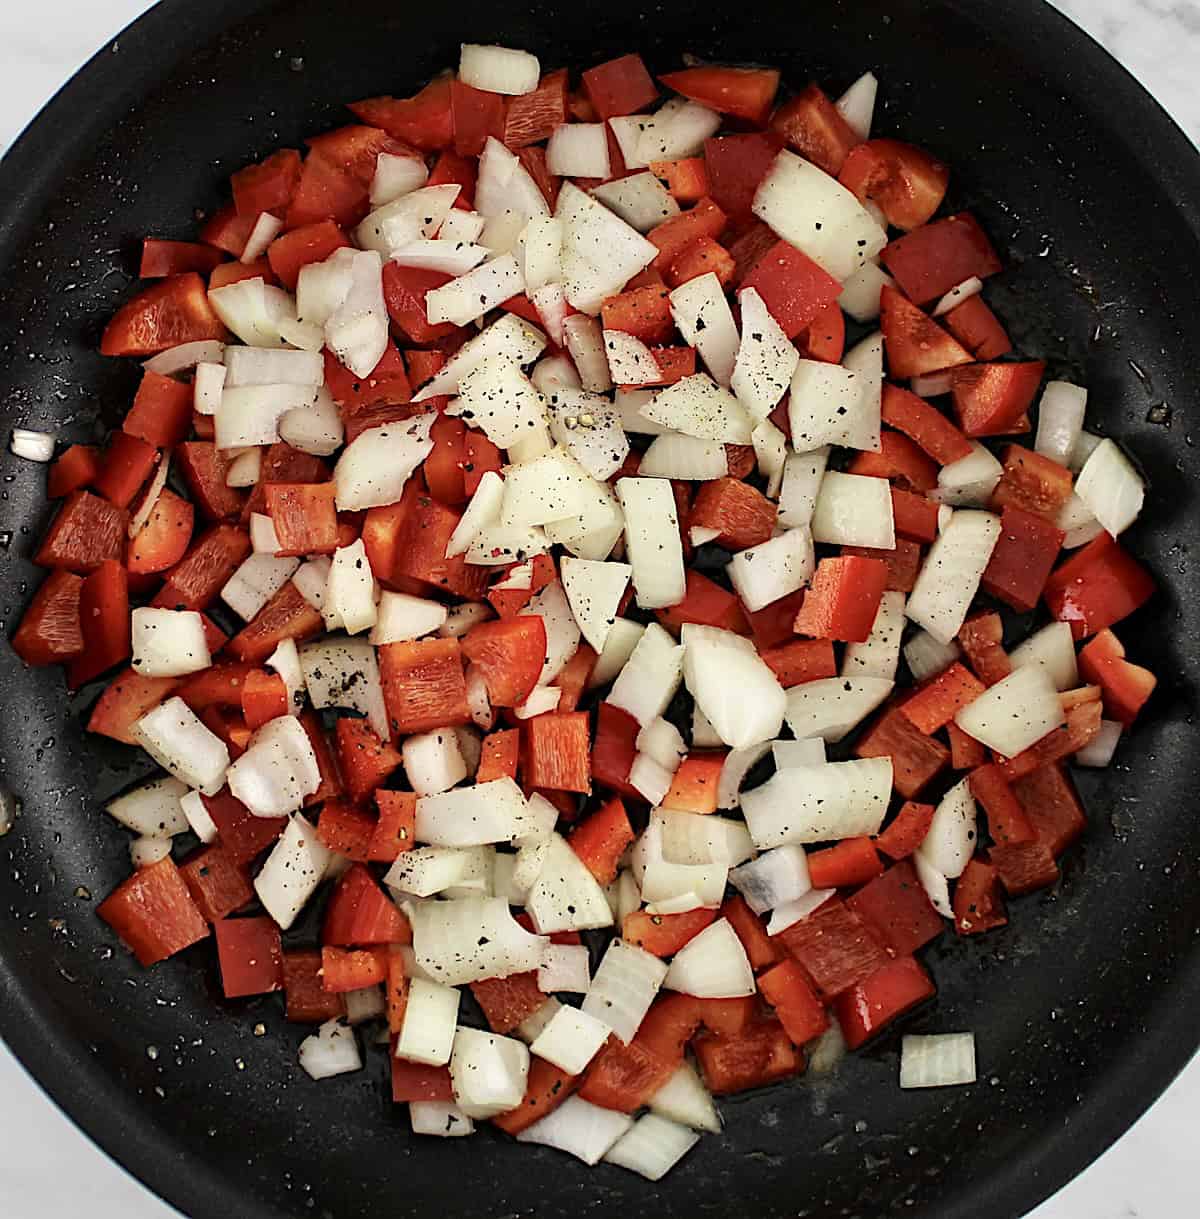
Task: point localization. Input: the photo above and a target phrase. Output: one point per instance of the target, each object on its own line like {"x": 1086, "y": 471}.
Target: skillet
{"x": 1083, "y": 1007}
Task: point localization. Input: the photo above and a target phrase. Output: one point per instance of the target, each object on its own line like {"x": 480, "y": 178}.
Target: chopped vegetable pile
{"x": 502, "y": 524}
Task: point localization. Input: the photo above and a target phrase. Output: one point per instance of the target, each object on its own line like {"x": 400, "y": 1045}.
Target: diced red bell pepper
{"x": 1049, "y": 799}
{"x": 242, "y": 835}
{"x": 600, "y": 840}
{"x": 1022, "y": 559}
{"x": 126, "y": 465}
{"x": 421, "y": 551}
{"x": 674, "y": 363}
{"x": 204, "y": 469}
{"x": 508, "y": 602}
{"x": 993, "y": 399}
{"x": 854, "y": 861}
{"x": 836, "y": 946}
{"x": 510, "y": 654}
{"x": 892, "y": 991}
{"x": 251, "y": 956}
{"x": 916, "y": 758}
{"x": 574, "y": 677}
{"x": 686, "y": 178}
{"x": 644, "y": 313}
{"x": 545, "y": 1089}
{"x": 153, "y": 913}
{"x": 752, "y": 245}
{"x": 234, "y": 273}
{"x": 444, "y": 465}
{"x": 453, "y": 169}
{"x": 228, "y": 231}
{"x": 125, "y": 700}
{"x": 1032, "y": 483}
{"x": 104, "y": 618}
{"x": 307, "y": 1000}
{"x": 397, "y": 828}
{"x": 906, "y": 183}
{"x": 267, "y": 186}
{"x": 355, "y": 149}
{"x": 1126, "y": 686}
{"x": 422, "y": 366}
{"x": 366, "y": 761}
{"x": 345, "y": 969}
{"x": 980, "y": 639}
{"x": 499, "y": 755}
{"x": 674, "y": 235}
{"x": 903, "y": 462}
{"x": 264, "y": 698}
{"x": 50, "y": 631}
{"x": 978, "y": 902}
{"x": 1083, "y": 723}
{"x": 423, "y": 685}
{"x": 813, "y": 126}
{"x": 614, "y": 749}
{"x": 937, "y": 701}
{"x": 741, "y": 459}
{"x": 913, "y": 342}
{"x": 903, "y": 562}
{"x": 897, "y": 906}
{"x": 619, "y": 86}
{"x": 742, "y": 515}
{"x": 1098, "y": 586}
{"x": 745, "y": 93}
{"x": 326, "y": 192}
{"x": 704, "y": 255}
{"x": 978, "y": 329}
{"x": 289, "y": 253}
{"x": 925, "y": 424}
{"x": 706, "y": 603}
{"x": 304, "y": 516}
{"x": 162, "y": 258}
{"x": 197, "y": 580}
{"x": 1024, "y": 867}
{"x": 965, "y": 751}
{"x": 87, "y": 531}
{"x": 173, "y": 311}
{"x": 786, "y": 988}
{"x": 395, "y": 990}
{"x": 915, "y": 517}
{"x": 761, "y": 950}
{"x": 773, "y": 624}
{"x": 674, "y": 1019}
{"x": 532, "y": 117}
{"x": 286, "y": 616}
{"x": 218, "y": 883}
{"x": 73, "y": 469}
{"x": 404, "y": 290}
{"x": 423, "y": 120}
{"x": 694, "y": 785}
{"x": 663, "y": 935}
{"x": 907, "y": 830}
{"x": 161, "y": 414}
{"x": 1007, "y": 820}
{"x": 843, "y": 599}
{"x": 507, "y": 1002}
{"x": 385, "y": 385}
{"x": 533, "y": 161}
{"x": 477, "y": 115}
{"x": 415, "y": 1081}
{"x": 794, "y": 289}
{"x": 761, "y": 1055}
{"x": 556, "y": 754}
{"x": 347, "y": 829}
{"x": 163, "y": 539}
{"x": 801, "y": 660}
{"x": 824, "y": 339}
{"x": 736, "y": 164}
{"x": 936, "y": 257}
{"x": 624, "y": 1077}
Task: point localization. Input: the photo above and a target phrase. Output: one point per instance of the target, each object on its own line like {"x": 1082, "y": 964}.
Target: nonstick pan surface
{"x": 1083, "y": 1008}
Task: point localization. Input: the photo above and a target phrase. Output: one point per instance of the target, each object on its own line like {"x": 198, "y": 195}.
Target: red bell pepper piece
{"x": 694, "y": 785}
{"x": 499, "y": 755}
{"x": 704, "y": 602}
{"x": 163, "y": 540}
{"x": 903, "y": 562}
{"x": 397, "y": 828}
{"x": 761, "y": 950}
{"x": 843, "y": 599}
{"x": 624, "y": 1077}
{"x": 761, "y": 1055}
{"x": 1007, "y": 819}
{"x": 267, "y": 186}
{"x": 793, "y": 287}
{"x": 742, "y": 515}
{"x": 345, "y": 969}
{"x": 836, "y": 946}
{"x": 980, "y": 639}
{"x": 892, "y": 991}
{"x": 289, "y": 253}
{"x": 162, "y": 258}
{"x": 444, "y": 465}
{"x": 994, "y": 399}
{"x": 73, "y": 469}
{"x": 421, "y": 545}
{"x": 286, "y": 616}
{"x": 906, "y": 183}
{"x": 799, "y": 1011}
{"x": 1032, "y": 483}
{"x": 978, "y": 329}
{"x": 745, "y": 93}
{"x": 415, "y": 1081}
{"x": 907, "y": 830}
{"x": 347, "y": 829}
{"x": 233, "y": 273}
{"x": 813, "y": 126}
{"x": 896, "y": 905}
{"x": 533, "y": 117}
{"x": 507, "y": 1002}
{"x": 218, "y": 883}
{"x": 161, "y": 414}
{"x": 978, "y": 902}
{"x": 307, "y": 1000}
{"x": 916, "y": 758}
{"x": 104, "y": 618}
{"x": 204, "y": 469}
{"x": 250, "y": 953}
{"x": 1024, "y": 867}
{"x": 854, "y": 861}
{"x": 614, "y": 749}
{"x": 304, "y": 516}
{"x": 663, "y": 935}
{"x": 1049, "y": 799}
{"x": 556, "y": 754}
{"x": 87, "y": 531}
{"x": 1098, "y": 586}
{"x": 173, "y": 311}
{"x": 686, "y": 178}
{"x": 965, "y": 751}
{"x": 423, "y": 685}
{"x": 913, "y": 342}
{"x": 1125, "y": 686}
{"x": 510, "y": 654}
{"x": 1022, "y": 559}
{"x": 478, "y": 114}
{"x": 125, "y": 700}
{"x": 153, "y": 913}
{"x": 574, "y": 677}
{"x": 600, "y": 840}
{"x": 901, "y": 460}
{"x": 925, "y": 424}
{"x": 644, "y": 313}
{"x": 545, "y": 1089}
{"x": 736, "y": 164}
{"x": 126, "y": 465}
{"x": 366, "y": 761}
{"x": 675, "y": 234}
{"x": 619, "y": 86}
{"x": 936, "y": 257}
{"x": 424, "y": 120}
{"x": 703, "y": 256}
{"x": 915, "y": 517}
{"x": 50, "y": 631}
{"x": 937, "y": 701}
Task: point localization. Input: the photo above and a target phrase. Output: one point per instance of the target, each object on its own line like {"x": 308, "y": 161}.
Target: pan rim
{"x": 56, "y": 139}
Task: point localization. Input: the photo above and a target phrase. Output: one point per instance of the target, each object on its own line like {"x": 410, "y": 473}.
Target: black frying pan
{"x": 1084, "y": 1008}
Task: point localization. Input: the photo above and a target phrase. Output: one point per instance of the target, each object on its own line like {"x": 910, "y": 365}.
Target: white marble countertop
{"x": 1149, "y": 1174}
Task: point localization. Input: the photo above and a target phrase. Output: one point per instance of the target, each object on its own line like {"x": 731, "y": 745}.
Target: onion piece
{"x": 790, "y": 913}
{"x": 1060, "y": 420}
{"x": 293, "y": 870}
{"x": 571, "y": 1039}
{"x": 441, "y": 1118}
{"x": 345, "y": 673}
{"x": 562, "y": 631}
{"x": 940, "y": 1060}
{"x": 499, "y": 545}
{"x": 266, "y": 229}
{"x": 808, "y": 752}
{"x": 579, "y": 1128}
{"x": 771, "y": 451}
{"x": 697, "y": 839}
{"x": 652, "y": 541}
{"x": 262, "y": 366}
{"x": 461, "y": 618}
{"x": 31, "y": 445}
{"x": 1085, "y": 446}
{"x": 374, "y": 468}
{"x": 649, "y": 778}
{"x": 697, "y": 406}
{"x": 830, "y": 707}
{"x": 495, "y": 811}
{"x": 315, "y": 429}
{"x": 926, "y": 656}
{"x": 623, "y": 637}
{"x": 641, "y": 200}
{"x": 775, "y": 878}
{"x": 578, "y": 150}
{"x": 764, "y": 574}
{"x": 830, "y": 404}
{"x": 663, "y": 742}
{"x": 819, "y": 803}
{"x": 150, "y": 496}
{"x": 1111, "y": 488}
{"x": 250, "y": 415}
{"x": 702, "y": 314}
{"x": 174, "y": 737}
{"x": 352, "y": 589}
{"x": 503, "y": 185}
{"x": 738, "y": 693}
{"x": 594, "y": 591}
{"x": 931, "y": 385}
{"x": 651, "y": 676}
{"x": 652, "y": 1146}
{"x": 498, "y": 397}
{"x": 600, "y": 252}
{"x": 460, "y": 226}
{"x": 245, "y": 469}
{"x": 662, "y": 882}
{"x": 1098, "y": 752}
{"x": 395, "y": 176}
{"x": 498, "y": 69}
{"x": 470, "y": 296}
{"x": 766, "y": 359}
{"x": 168, "y": 643}
{"x": 410, "y": 217}
{"x": 564, "y": 967}
{"x": 971, "y": 286}
{"x": 701, "y": 535}
{"x": 1053, "y": 647}
{"x": 429, "y": 1024}
{"x": 949, "y": 577}
{"x": 953, "y": 834}
{"x": 449, "y": 257}
{"x": 629, "y": 404}
{"x": 686, "y": 457}
{"x": 198, "y": 817}
{"x": 627, "y": 131}
{"x": 285, "y": 660}
{"x": 252, "y": 310}
{"x": 685, "y": 1099}
{"x": 186, "y": 356}
{"x": 331, "y": 1050}
{"x": 678, "y": 129}
{"x": 1077, "y": 522}
{"x": 625, "y": 984}
{"x": 433, "y": 761}
{"x": 879, "y": 654}
{"x": 857, "y": 104}
{"x": 207, "y": 387}
{"x": 861, "y": 292}
{"x": 542, "y": 252}
{"x": 487, "y": 1072}
{"x": 145, "y": 851}
{"x": 425, "y": 871}
{"x": 738, "y": 764}
{"x": 803, "y": 474}
{"x": 447, "y": 940}
{"x": 969, "y": 481}
{"x": 566, "y": 896}
{"x": 152, "y": 809}
{"x": 630, "y": 361}
{"x": 585, "y": 341}
{"x": 403, "y": 617}
{"x": 1014, "y": 713}
{"x": 712, "y": 965}
{"x": 277, "y": 770}
{"x": 554, "y": 487}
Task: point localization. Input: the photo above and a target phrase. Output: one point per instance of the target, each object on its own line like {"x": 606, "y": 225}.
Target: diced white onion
{"x": 857, "y": 104}
{"x": 684, "y": 1099}
{"x": 564, "y": 968}
{"x": 763, "y": 574}
{"x": 775, "y": 878}
{"x": 579, "y": 1128}
{"x": 950, "y": 575}
{"x": 803, "y": 474}
{"x": 293, "y": 870}
{"x": 641, "y": 200}
{"x": 331, "y": 1050}
{"x": 186, "y": 356}
{"x": 790, "y": 913}
{"x": 168, "y": 643}
{"x": 766, "y": 359}
{"x": 259, "y": 577}
{"x": 971, "y": 286}
{"x": 498, "y": 69}
{"x": 830, "y": 404}
{"x": 623, "y": 637}
{"x": 952, "y": 836}
{"x": 571, "y": 1039}
{"x": 941, "y": 1060}
{"x": 861, "y": 292}
{"x": 152, "y": 809}
{"x": 738, "y": 764}
{"x": 1014, "y": 713}
{"x": 471, "y": 939}
{"x": 566, "y": 896}
{"x": 926, "y": 656}
{"x": 879, "y": 654}
{"x": 441, "y": 1118}
{"x": 712, "y": 965}
{"x": 345, "y": 673}
{"x": 652, "y": 540}
{"x": 277, "y": 770}
{"x": 1098, "y": 752}
{"x": 488, "y": 1072}
{"x": 1053, "y": 647}
{"x": 830, "y": 707}
{"x": 495, "y": 811}
{"x": 1060, "y": 420}
{"x": 1111, "y": 488}
{"x": 652, "y": 1146}
{"x": 969, "y": 481}
{"x": 430, "y": 1023}
{"x": 33, "y": 446}
{"x": 738, "y": 693}
{"x": 687, "y": 457}
{"x": 701, "y": 312}
{"x": 174, "y": 737}
{"x": 403, "y": 617}
{"x": 375, "y": 466}
{"x": 798, "y": 753}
